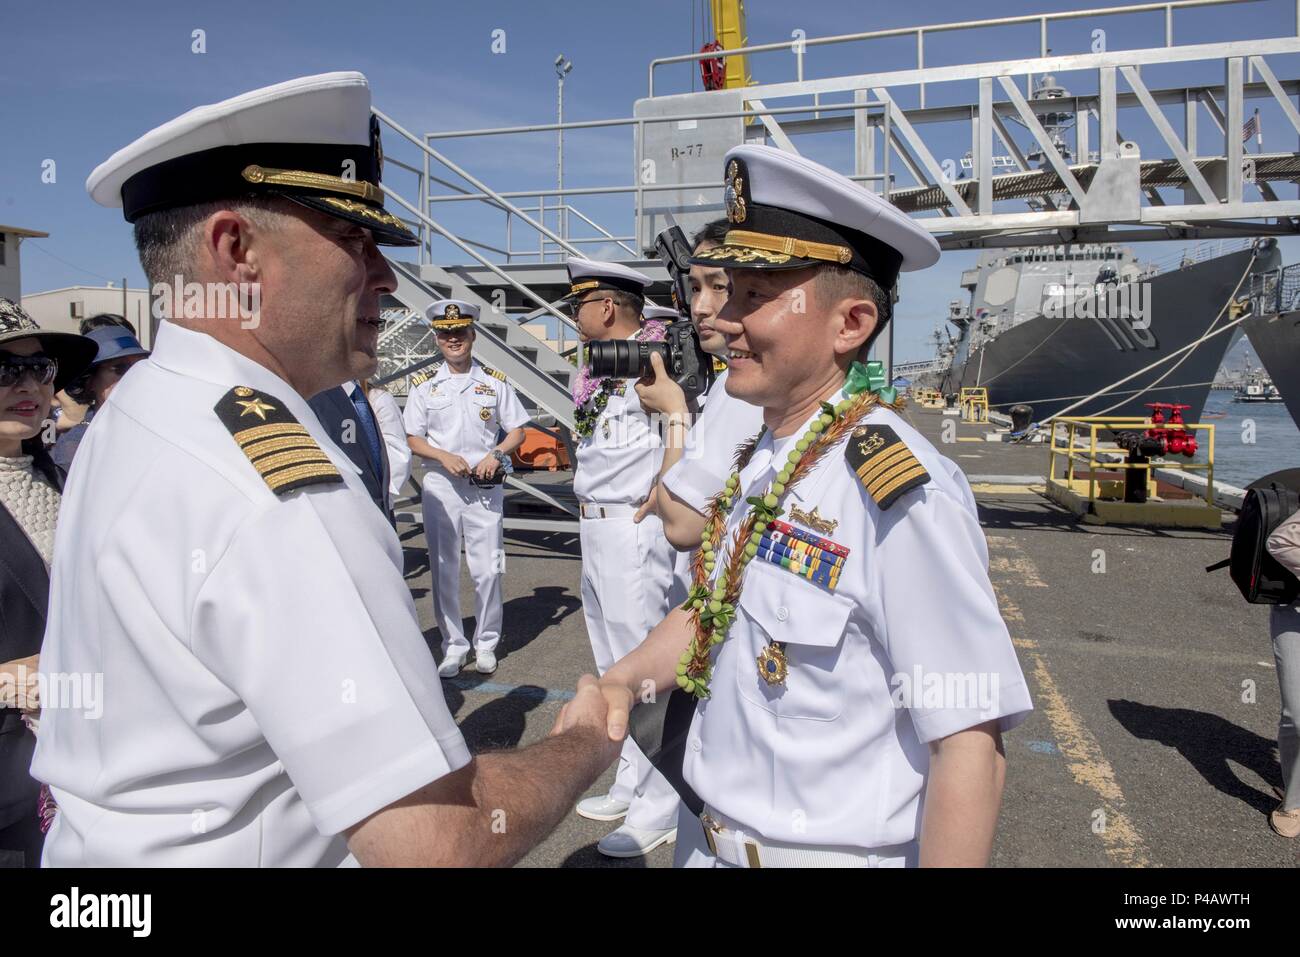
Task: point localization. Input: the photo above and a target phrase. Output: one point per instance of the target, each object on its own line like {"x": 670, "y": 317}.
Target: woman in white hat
{"x": 33, "y": 365}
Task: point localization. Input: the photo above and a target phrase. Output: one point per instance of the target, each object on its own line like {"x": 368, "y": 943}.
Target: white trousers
{"x": 454, "y": 510}
{"x": 626, "y": 571}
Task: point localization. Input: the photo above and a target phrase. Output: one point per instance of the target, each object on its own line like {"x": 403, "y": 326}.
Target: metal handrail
{"x": 468, "y": 177}
{"x": 465, "y": 247}
{"x": 798, "y": 45}
{"x": 1275, "y": 291}
{"x": 1090, "y": 453}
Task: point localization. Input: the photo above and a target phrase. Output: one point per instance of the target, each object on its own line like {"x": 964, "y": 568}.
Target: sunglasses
{"x": 574, "y": 307}
{"x": 41, "y": 368}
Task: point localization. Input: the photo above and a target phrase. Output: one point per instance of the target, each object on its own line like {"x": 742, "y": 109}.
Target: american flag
{"x": 1253, "y": 127}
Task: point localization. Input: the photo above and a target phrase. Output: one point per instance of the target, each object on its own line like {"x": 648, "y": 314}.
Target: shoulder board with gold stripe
{"x": 494, "y": 374}
{"x": 883, "y": 463}
{"x": 424, "y": 375}
{"x": 278, "y": 445}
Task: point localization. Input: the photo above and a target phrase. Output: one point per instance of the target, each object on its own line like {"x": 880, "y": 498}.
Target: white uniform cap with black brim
{"x": 588, "y": 274}
{"x": 312, "y": 140}
{"x": 787, "y": 212}
{"x": 662, "y": 313}
{"x": 451, "y": 314}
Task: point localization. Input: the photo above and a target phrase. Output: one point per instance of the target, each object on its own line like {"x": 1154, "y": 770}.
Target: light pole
{"x": 562, "y": 68}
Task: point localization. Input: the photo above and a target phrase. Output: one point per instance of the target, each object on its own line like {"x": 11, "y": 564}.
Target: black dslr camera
{"x": 688, "y": 364}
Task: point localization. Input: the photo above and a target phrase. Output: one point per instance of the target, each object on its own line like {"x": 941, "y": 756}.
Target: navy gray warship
{"x": 1049, "y": 326}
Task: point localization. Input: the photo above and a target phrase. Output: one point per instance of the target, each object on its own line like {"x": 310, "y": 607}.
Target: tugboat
{"x": 1257, "y": 387}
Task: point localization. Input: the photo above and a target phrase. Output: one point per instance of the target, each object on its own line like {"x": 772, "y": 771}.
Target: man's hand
{"x": 454, "y": 465}
{"x": 587, "y": 715}
{"x": 660, "y": 393}
{"x": 619, "y": 701}
{"x": 648, "y": 506}
{"x": 487, "y": 468}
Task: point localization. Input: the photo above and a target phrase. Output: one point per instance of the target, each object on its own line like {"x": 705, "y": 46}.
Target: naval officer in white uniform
{"x": 454, "y": 419}
{"x": 852, "y": 671}
{"x": 267, "y": 697}
{"x": 626, "y": 565}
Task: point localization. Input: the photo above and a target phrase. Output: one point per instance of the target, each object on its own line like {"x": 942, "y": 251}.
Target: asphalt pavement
{"x": 1153, "y": 740}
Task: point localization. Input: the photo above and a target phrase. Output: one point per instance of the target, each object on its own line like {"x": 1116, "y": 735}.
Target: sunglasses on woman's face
{"x": 41, "y": 368}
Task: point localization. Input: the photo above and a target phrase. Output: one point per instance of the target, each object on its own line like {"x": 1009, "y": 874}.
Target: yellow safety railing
{"x": 928, "y": 398}
{"x": 1075, "y": 442}
{"x": 974, "y": 405}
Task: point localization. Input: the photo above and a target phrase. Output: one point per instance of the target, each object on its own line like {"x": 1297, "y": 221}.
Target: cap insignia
{"x": 734, "y": 194}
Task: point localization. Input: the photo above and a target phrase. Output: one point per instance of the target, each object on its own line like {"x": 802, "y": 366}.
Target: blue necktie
{"x": 367, "y": 421}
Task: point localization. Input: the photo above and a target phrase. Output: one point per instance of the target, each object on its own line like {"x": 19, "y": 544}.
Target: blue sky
{"x": 81, "y": 80}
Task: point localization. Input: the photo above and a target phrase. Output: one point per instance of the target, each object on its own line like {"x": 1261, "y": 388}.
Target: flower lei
{"x": 713, "y": 604}
{"x": 591, "y": 393}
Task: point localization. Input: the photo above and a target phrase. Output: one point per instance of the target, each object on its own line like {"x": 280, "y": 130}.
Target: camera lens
{"x": 623, "y": 358}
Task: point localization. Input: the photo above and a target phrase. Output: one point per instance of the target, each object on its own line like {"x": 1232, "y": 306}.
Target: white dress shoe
{"x": 629, "y": 841}
{"x": 602, "y": 807}
{"x": 451, "y": 666}
{"x": 485, "y": 662}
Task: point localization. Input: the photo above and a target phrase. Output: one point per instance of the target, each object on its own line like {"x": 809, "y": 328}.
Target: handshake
{"x": 599, "y": 707}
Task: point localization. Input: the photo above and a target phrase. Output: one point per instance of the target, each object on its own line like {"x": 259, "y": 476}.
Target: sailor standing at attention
{"x": 846, "y": 715}
{"x": 454, "y": 419}
{"x": 627, "y": 566}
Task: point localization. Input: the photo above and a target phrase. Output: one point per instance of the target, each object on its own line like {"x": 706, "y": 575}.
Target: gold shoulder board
{"x": 278, "y": 445}
{"x": 424, "y": 375}
{"x": 883, "y": 463}
{"x": 494, "y": 374}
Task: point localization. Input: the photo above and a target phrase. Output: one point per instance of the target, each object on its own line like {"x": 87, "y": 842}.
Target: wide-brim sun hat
{"x": 72, "y": 352}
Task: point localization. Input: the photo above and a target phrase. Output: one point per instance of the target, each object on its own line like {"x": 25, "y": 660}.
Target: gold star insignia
{"x": 257, "y": 407}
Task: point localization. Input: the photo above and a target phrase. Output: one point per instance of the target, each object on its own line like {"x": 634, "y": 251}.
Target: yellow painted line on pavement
{"x": 988, "y": 488}
{"x": 1087, "y": 764}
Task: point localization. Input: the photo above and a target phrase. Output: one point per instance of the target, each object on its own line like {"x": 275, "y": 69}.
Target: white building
{"x": 61, "y": 310}
{"x": 11, "y": 286}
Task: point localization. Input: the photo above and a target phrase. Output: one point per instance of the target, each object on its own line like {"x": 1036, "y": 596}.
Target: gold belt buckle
{"x": 711, "y": 827}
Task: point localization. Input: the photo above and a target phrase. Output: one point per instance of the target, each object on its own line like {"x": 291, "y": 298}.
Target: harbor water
{"x": 1252, "y": 439}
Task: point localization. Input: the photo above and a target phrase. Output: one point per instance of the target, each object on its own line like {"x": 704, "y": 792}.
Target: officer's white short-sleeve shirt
{"x": 265, "y": 683}
{"x": 828, "y": 758}
{"x": 462, "y": 414}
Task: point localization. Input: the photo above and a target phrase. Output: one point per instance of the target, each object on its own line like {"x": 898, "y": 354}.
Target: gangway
{"x": 1115, "y": 146}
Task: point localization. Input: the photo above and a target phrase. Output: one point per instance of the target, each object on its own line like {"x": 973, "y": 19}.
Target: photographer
{"x": 687, "y": 480}
{"x": 626, "y": 566}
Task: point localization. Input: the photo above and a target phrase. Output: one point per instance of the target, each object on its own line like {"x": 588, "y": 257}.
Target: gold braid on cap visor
{"x": 752, "y": 245}
{"x": 308, "y": 180}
